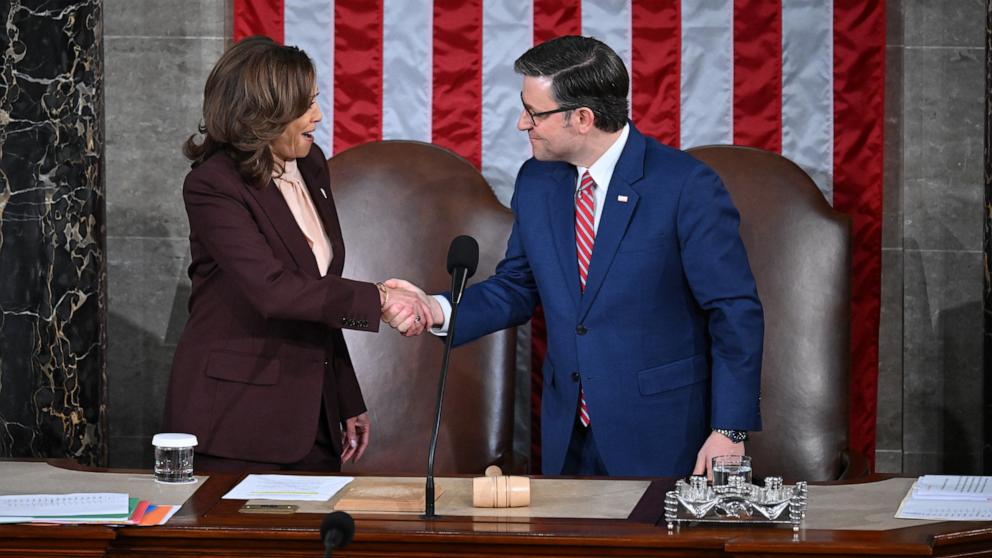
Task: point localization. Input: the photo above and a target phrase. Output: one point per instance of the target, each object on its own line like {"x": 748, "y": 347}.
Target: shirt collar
{"x": 290, "y": 171}
{"x": 602, "y": 170}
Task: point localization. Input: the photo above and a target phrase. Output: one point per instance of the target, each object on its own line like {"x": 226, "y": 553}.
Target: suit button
{"x": 575, "y": 376}
{"x": 581, "y": 330}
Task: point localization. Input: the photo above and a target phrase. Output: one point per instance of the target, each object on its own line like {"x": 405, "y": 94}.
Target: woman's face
{"x": 296, "y": 139}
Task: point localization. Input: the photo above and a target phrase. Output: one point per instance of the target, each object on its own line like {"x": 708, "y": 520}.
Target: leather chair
{"x": 400, "y": 204}
{"x": 799, "y": 249}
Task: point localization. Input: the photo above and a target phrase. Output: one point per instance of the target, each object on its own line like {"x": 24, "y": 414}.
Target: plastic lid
{"x": 174, "y": 440}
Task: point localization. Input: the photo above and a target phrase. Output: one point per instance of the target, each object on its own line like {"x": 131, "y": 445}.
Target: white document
{"x": 287, "y": 487}
{"x": 953, "y": 487}
{"x": 62, "y": 505}
{"x": 944, "y": 510}
{"x": 948, "y": 498}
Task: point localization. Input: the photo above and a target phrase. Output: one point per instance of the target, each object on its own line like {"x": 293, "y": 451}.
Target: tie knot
{"x": 587, "y": 182}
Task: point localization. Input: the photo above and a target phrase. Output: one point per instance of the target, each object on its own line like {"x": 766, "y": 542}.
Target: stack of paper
{"x": 948, "y": 498}
{"x": 287, "y": 487}
{"x": 82, "y": 507}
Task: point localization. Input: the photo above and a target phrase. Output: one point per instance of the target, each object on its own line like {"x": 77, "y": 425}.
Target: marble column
{"x": 52, "y": 231}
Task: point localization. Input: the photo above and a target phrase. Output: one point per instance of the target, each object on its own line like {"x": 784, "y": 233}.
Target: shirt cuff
{"x": 441, "y": 329}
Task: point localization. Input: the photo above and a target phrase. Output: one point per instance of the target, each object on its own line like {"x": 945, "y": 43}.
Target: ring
{"x": 417, "y": 318}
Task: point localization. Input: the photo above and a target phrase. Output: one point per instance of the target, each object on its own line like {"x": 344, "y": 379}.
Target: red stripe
{"x": 758, "y": 74}
{"x": 457, "y": 114}
{"x": 859, "y": 82}
{"x": 357, "y": 73}
{"x": 656, "y": 58}
{"x": 554, "y": 18}
{"x": 258, "y": 17}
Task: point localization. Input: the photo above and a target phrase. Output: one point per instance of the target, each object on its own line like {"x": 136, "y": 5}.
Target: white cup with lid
{"x": 174, "y": 457}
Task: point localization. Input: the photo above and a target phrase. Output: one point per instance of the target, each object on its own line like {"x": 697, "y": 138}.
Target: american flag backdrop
{"x": 800, "y": 77}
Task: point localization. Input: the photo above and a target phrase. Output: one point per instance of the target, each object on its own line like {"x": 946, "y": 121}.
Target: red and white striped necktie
{"x": 585, "y": 237}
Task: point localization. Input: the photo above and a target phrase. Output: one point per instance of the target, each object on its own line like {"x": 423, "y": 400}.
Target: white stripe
{"x": 586, "y": 220}
{"x": 309, "y": 25}
{"x": 585, "y": 243}
{"x": 609, "y": 21}
{"x": 407, "y": 69}
{"x": 707, "y": 72}
{"x": 507, "y": 31}
{"x": 808, "y": 89}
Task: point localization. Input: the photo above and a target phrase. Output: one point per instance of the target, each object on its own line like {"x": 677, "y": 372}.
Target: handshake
{"x": 407, "y": 308}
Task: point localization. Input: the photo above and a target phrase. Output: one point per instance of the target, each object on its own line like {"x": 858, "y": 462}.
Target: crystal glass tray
{"x": 696, "y": 501}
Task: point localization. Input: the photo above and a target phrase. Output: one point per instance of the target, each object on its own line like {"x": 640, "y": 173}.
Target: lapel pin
{"x": 323, "y": 193}
{"x": 622, "y": 199}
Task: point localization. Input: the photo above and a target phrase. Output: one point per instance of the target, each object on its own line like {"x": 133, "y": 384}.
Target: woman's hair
{"x": 255, "y": 90}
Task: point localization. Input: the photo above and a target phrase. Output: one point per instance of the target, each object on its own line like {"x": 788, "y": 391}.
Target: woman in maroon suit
{"x": 262, "y": 375}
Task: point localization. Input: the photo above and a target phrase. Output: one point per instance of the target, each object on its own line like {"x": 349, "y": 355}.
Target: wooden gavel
{"x": 496, "y": 490}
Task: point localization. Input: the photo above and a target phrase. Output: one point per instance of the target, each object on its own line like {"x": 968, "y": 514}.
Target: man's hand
{"x": 355, "y": 437}
{"x": 716, "y": 444}
{"x": 408, "y": 309}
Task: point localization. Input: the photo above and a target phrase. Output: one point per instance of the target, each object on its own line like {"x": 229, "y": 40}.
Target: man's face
{"x": 552, "y": 138}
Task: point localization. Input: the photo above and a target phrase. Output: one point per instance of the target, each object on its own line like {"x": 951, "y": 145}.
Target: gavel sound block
{"x": 496, "y": 490}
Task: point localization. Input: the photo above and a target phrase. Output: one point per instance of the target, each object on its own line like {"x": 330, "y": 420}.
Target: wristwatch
{"x": 736, "y": 436}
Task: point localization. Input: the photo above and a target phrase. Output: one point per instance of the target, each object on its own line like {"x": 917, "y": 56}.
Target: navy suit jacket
{"x": 667, "y": 336}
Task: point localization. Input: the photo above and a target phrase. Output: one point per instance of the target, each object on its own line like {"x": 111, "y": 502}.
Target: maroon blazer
{"x": 263, "y": 343}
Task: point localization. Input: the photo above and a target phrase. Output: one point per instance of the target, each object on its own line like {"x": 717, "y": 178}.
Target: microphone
{"x": 336, "y": 530}
{"x": 463, "y": 259}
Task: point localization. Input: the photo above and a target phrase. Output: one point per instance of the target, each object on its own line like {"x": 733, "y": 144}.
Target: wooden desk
{"x": 209, "y": 526}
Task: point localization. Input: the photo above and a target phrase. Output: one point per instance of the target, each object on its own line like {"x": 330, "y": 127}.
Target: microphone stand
{"x": 458, "y": 278}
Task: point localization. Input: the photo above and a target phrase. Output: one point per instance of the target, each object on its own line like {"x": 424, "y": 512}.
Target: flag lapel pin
{"x": 622, "y": 199}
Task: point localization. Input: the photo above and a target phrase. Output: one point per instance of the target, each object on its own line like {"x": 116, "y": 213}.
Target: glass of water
{"x": 174, "y": 457}
{"x": 727, "y": 466}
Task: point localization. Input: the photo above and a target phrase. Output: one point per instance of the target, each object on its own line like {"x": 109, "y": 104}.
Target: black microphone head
{"x": 337, "y": 529}
{"x": 464, "y": 253}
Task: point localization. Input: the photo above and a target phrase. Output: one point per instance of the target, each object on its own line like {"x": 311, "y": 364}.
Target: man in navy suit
{"x": 632, "y": 248}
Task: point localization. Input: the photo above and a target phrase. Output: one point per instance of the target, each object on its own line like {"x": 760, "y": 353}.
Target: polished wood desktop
{"x": 209, "y": 526}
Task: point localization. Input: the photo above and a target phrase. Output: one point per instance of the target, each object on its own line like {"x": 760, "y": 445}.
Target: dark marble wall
{"x": 52, "y": 264}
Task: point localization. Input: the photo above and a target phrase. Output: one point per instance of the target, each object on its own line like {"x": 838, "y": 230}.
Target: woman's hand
{"x": 355, "y": 437}
{"x": 408, "y": 309}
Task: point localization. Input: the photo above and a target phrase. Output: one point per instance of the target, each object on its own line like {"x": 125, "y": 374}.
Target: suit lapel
{"x": 317, "y": 180}
{"x": 561, "y": 214}
{"x": 274, "y": 206}
{"x": 615, "y": 217}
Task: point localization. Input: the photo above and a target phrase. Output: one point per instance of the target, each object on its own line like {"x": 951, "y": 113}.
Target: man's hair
{"x": 584, "y": 72}
{"x": 254, "y": 91}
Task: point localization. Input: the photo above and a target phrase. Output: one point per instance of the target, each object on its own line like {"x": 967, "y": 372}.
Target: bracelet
{"x": 736, "y": 436}
{"x": 385, "y": 294}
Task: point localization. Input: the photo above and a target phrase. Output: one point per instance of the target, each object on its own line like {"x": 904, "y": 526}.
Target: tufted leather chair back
{"x": 400, "y": 204}
{"x": 799, "y": 249}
